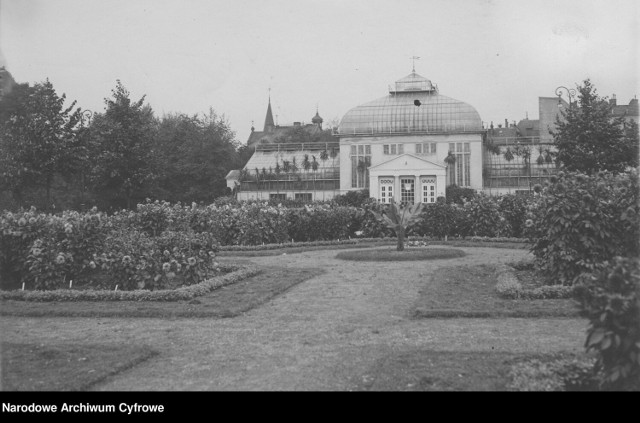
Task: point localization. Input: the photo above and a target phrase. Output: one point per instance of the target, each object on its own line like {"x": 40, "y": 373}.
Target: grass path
{"x": 324, "y": 334}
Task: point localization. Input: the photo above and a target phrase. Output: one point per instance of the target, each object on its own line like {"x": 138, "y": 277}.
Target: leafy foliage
{"x": 458, "y": 195}
{"x": 399, "y": 219}
{"x": 194, "y": 155}
{"x": 588, "y": 139}
{"x": 484, "y": 217}
{"x": 39, "y": 139}
{"x": 353, "y": 198}
{"x": 611, "y": 301}
{"x": 123, "y": 163}
{"x": 582, "y": 221}
{"x": 442, "y": 219}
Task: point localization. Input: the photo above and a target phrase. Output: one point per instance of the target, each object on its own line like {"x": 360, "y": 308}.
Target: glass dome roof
{"x": 415, "y": 106}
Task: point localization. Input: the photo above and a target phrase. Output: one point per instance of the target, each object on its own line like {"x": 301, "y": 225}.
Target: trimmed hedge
{"x": 236, "y": 273}
{"x": 509, "y": 287}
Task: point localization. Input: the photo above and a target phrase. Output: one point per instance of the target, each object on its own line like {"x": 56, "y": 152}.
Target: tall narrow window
{"x": 460, "y": 171}
{"x": 360, "y": 163}
{"x": 428, "y": 190}
{"x": 386, "y": 190}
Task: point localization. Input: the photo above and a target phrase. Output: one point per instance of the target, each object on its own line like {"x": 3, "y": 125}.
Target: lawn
{"x": 227, "y": 301}
{"x": 66, "y": 367}
{"x": 427, "y": 370}
{"x": 456, "y": 291}
{"x": 469, "y": 291}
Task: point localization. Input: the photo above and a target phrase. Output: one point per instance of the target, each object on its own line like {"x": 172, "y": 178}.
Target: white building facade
{"x": 408, "y": 146}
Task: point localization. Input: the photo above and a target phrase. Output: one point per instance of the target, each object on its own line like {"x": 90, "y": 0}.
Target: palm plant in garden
{"x": 400, "y": 219}
{"x": 277, "y": 171}
{"x": 333, "y": 154}
{"x": 324, "y": 156}
{"x": 314, "y": 168}
{"x": 257, "y": 180}
{"x": 264, "y": 176}
{"x": 286, "y": 168}
{"x": 306, "y": 165}
{"x": 294, "y": 165}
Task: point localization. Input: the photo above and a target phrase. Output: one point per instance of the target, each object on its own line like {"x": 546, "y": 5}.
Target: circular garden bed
{"x": 391, "y": 254}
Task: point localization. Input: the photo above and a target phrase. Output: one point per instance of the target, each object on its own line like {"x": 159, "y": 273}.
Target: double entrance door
{"x": 408, "y": 190}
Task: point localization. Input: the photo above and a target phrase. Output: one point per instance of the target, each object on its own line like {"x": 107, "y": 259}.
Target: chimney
{"x": 506, "y": 123}
{"x": 613, "y": 101}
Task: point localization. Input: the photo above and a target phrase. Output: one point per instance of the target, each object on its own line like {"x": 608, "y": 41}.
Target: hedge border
{"x": 236, "y": 273}
{"x": 355, "y": 241}
{"x": 509, "y": 287}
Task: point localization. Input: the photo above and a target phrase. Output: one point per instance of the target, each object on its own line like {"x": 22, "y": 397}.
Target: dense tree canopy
{"x": 50, "y": 154}
{"x": 122, "y": 140}
{"x": 589, "y": 139}
{"x": 39, "y": 140}
{"x": 195, "y": 154}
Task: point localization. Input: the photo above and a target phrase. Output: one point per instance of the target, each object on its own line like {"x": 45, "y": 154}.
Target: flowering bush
{"x": 34, "y": 244}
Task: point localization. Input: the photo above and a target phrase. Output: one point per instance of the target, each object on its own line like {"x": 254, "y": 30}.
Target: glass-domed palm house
{"x": 409, "y": 145}
{"x": 406, "y": 146}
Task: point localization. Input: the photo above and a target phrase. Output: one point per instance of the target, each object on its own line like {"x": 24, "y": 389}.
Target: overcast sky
{"x": 189, "y": 55}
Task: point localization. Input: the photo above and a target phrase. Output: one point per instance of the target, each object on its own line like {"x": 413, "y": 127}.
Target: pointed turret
{"x": 268, "y": 121}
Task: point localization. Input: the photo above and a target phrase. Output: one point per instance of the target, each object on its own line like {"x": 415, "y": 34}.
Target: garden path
{"x": 323, "y": 334}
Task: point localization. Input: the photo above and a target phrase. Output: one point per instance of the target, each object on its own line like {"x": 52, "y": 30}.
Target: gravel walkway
{"x": 323, "y": 334}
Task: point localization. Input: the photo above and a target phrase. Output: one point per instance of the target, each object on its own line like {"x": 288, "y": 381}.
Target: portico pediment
{"x": 408, "y": 162}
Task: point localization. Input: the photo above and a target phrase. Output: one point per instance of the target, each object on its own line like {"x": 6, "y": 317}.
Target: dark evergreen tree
{"x": 38, "y": 141}
{"x": 124, "y": 167}
{"x": 589, "y": 139}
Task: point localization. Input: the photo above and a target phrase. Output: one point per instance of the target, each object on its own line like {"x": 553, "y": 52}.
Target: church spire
{"x": 268, "y": 121}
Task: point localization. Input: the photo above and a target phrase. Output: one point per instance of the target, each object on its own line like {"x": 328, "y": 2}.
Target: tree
{"x": 124, "y": 166}
{"x": 39, "y": 140}
{"x": 314, "y": 168}
{"x": 194, "y": 154}
{"x": 588, "y": 139}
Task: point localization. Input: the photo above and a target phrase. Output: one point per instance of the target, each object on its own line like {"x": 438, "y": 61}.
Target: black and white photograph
{"x": 316, "y": 196}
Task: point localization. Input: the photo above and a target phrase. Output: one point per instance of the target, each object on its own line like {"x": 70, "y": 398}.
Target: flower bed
{"x": 233, "y": 275}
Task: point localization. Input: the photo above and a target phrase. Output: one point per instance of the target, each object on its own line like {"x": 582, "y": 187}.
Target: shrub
{"x": 582, "y": 221}
{"x": 484, "y": 216}
{"x": 514, "y": 210}
{"x": 443, "y": 219}
{"x": 459, "y": 195}
{"x": 36, "y": 248}
{"x": 353, "y": 198}
{"x": 611, "y": 301}
{"x": 509, "y": 287}
{"x": 561, "y": 374}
